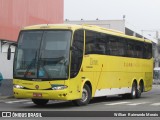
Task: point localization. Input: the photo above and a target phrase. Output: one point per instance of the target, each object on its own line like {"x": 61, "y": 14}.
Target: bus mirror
{"x": 9, "y": 53}
{"x": 9, "y": 50}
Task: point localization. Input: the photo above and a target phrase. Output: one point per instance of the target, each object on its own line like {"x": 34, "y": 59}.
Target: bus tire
{"x": 139, "y": 90}
{"x": 86, "y": 97}
{"x": 40, "y": 102}
{"x": 133, "y": 91}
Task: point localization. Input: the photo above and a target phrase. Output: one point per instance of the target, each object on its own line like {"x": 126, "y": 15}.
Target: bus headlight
{"x": 59, "y": 87}
{"x": 18, "y": 86}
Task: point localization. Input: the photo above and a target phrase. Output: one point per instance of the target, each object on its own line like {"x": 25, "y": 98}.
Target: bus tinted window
{"x": 147, "y": 50}
{"x": 139, "y": 50}
{"x": 131, "y": 49}
{"x": 95, "y": 43}
{"x": 101, "y": 43}
{"x": 115, "y": 46}
{"x": 77, "y": 52}
{"x": 90, "y": 42}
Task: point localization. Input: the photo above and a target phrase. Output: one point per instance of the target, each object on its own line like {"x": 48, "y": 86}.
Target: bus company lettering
{"x": 93, "y": 61}
{"x": 128, "y": 64}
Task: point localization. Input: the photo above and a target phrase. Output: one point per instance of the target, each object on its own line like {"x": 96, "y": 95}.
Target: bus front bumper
{"x": 42, "y": 94}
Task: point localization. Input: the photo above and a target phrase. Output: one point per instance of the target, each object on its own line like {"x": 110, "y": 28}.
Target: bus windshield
{"x": 42, "y": 55}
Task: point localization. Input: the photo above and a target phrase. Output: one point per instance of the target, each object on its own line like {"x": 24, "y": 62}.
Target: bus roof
{"x": 84, "y": 26}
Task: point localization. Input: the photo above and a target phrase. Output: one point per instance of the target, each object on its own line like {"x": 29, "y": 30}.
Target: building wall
{"x": 110, "y": 24}
{"x": 15, "y": 14}
{"x": 6, "y": 66}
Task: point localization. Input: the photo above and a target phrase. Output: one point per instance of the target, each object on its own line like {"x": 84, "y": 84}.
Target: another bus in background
{"x": 156, "y": 75}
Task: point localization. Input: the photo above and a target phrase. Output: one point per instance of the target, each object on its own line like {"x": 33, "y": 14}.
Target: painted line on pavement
{"x": 141, "y": 103}
{"x": 118, "y": 103}
{"x": 17, "y": 101}
{"x": 156, "y": 104}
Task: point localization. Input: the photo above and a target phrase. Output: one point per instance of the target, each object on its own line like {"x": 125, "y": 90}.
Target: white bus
{"x": 156, "y": 75}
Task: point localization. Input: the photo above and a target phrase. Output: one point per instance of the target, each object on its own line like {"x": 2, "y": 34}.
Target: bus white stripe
{"x": 113, "y": 91}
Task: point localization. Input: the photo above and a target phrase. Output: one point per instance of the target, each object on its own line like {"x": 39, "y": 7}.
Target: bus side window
{"x": 90, "y": 42}
{"x": 77, "y": 52}
{"x": 113, "y": 46}
{"x": 95, "y": 43}
{"x": 139, "y": 50}
{"x": 100, "y": 44}
{"x": 147, "y": 51}
{"x": 130, "y": 49}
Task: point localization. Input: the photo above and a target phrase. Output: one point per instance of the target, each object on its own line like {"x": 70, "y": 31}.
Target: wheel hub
{"x": 84, "y": 95}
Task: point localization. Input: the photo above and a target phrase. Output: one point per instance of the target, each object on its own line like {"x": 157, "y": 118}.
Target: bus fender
{"x": 133, "y": 80}
{"x": 84, "y": 81}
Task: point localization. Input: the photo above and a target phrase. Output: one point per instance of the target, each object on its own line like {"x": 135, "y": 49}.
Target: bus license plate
{"x": 37, "y": 94}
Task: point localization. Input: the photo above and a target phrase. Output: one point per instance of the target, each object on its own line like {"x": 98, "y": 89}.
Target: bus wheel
{"x": 133, "y": 91}
{"x": 86, "y": 97}
{"x": 40, "y": 102}
{"x": 139, "y": 90}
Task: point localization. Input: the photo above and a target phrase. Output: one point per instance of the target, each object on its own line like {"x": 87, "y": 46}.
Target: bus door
{"x": 76, "y": 73}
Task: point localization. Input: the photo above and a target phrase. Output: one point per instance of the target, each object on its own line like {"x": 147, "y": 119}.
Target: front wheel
{"x": 40, "y": 102}
{"x": 86, "y": 97}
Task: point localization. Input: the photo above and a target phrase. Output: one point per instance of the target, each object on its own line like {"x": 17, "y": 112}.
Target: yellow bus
{"x": 80, "y": 62}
